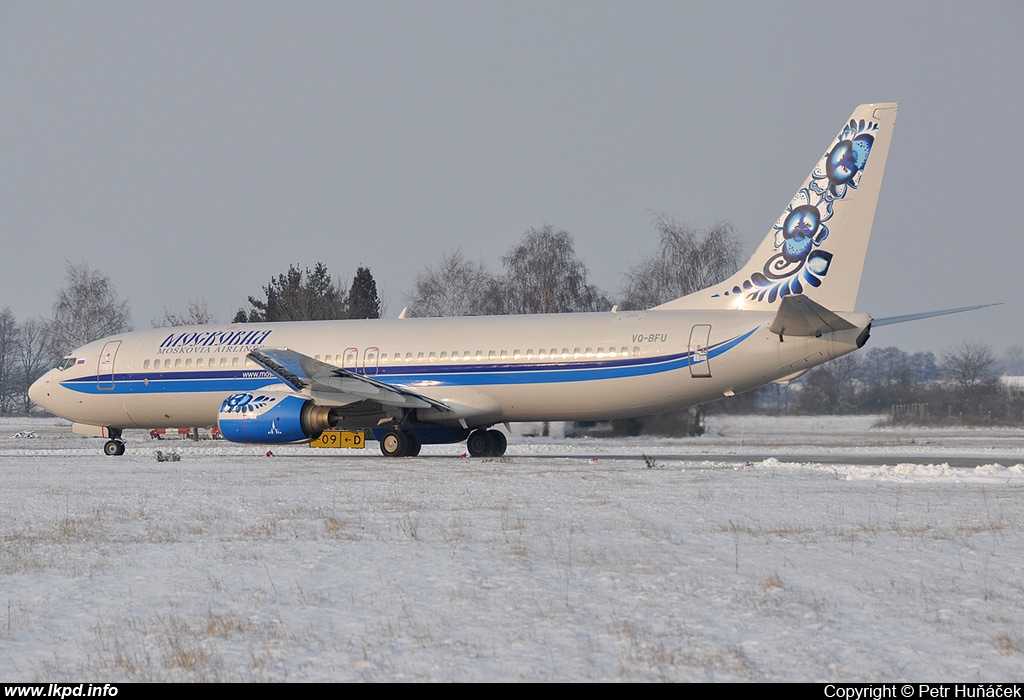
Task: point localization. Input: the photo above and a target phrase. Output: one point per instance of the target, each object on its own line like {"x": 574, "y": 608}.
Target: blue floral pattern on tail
{"x": 799, "y": 260}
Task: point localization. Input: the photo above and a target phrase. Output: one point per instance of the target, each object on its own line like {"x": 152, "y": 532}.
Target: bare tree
{"x": 1013, "y": 360}
{"x": 8, "y": 354}
{"x": 33, "y": 357}
{"x": 87, "y": 309}
{"x": 197, "y": 315}
{"x": 887, "y": 367}
{"x": 544, "y": 276}
{"x": 688, "y": 260}
{"x": 830, "y": 388}
{"x": 971, "y": 366}
{"x": 455, "y": 287}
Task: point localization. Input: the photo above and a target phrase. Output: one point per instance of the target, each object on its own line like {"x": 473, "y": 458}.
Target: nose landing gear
{"x": 113, "y": 448}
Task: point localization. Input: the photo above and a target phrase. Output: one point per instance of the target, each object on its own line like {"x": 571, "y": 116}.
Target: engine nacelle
{"x": 272, "y": 417}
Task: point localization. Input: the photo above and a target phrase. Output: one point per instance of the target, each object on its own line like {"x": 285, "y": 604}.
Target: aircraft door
{"x": 700, "y": 340}
{"x": 105, "y": 371}
{"x": 370, "y": 361}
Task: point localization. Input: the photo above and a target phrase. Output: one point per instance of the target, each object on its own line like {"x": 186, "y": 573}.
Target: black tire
{"x": 394, "y": 443}
{"x": 498, "y": 443}
{"x": 414, "y": 443}
{"x": 113, "y": 448}
{"x": 480, "y": 443}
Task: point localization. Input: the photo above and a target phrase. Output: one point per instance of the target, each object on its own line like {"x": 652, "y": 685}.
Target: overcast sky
{"x": 194, "y": 150}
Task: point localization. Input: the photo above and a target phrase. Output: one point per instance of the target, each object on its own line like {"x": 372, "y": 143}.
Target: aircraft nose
{"x": 39, "y": 392}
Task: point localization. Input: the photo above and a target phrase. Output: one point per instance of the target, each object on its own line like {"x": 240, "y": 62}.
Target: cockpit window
{"x": 66, "y": 362}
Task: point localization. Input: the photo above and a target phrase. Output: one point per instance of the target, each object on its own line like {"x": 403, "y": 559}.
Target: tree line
{"x": 542, "y": 274}
{"x": 962, "y": 385}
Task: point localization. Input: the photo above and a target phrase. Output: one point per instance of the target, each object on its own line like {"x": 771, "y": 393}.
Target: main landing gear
{"x": 486, "y": 443}
{"x": 407, "y": 443}
{"x": 400, "y": 443}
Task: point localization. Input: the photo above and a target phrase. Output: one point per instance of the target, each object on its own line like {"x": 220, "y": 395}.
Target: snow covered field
{"x": 841, "y": 552}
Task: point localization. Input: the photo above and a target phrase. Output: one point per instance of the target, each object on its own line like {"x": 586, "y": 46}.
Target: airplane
{"x": 414, "y": 381}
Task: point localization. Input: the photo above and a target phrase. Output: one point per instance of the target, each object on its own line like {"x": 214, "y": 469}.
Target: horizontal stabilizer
{"x": 799, "y": 315}
{"x": 927, "y": 314}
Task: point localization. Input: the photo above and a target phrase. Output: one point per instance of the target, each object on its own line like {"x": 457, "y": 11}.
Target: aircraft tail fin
{"x": 817, "y": 246}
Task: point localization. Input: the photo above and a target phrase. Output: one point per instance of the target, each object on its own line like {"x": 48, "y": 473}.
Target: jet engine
{"x": 272, "y": 417}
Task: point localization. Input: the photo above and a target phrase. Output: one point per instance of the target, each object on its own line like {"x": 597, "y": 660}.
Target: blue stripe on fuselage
{"x": 431, "y": 375}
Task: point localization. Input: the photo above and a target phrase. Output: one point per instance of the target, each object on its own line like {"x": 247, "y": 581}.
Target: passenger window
{"x": 145, "y": 365}
{"x": 177, "y": 363}
{"x": 188, "y": 362}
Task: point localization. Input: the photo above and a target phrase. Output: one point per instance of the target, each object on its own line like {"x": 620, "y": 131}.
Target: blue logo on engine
{"x": 245, "y": 403}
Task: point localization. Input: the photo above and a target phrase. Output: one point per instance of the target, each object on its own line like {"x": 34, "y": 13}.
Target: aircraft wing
{"x": 302, "y": 372}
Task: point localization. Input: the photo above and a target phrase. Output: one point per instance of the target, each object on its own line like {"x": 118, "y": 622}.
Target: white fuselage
{"x": 487, "y": 370}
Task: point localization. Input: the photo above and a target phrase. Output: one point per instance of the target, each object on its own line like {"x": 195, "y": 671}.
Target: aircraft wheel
{"x": 113, "y": 448}
{"x": 394, "y": 443}
{"x": 480, "y": 443}
{"x": 414, "y": 443}
{"x": 498, "y": 443}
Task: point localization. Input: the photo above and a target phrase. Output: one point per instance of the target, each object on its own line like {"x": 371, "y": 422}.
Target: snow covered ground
{"x": 797, "y": 549}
